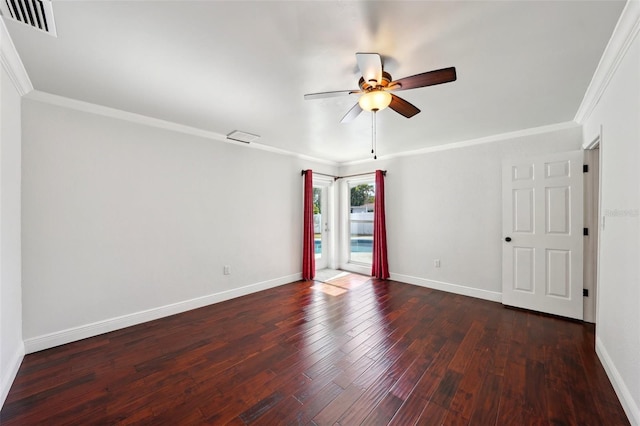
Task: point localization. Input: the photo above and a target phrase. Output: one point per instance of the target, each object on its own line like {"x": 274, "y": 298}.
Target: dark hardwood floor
{"x": 381, "y": 352}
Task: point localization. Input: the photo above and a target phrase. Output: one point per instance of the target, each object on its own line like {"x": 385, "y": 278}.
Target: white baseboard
{"x": 9, "y": 375}
{"x": 62, "y": 337}
{"x": 624, "y": 395}
{"x": 493, "y": 296}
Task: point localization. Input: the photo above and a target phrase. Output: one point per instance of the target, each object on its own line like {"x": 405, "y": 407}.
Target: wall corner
{"x": 12, "y": 63}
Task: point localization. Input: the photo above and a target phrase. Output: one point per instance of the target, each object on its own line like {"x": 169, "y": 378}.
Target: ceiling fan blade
{"x": 429, "y": 78}
{"x": 403, "y": 107}
{"x": 370, "y": 66}
{"x": 322, "y": 95}
{"x": 352, "y": 114}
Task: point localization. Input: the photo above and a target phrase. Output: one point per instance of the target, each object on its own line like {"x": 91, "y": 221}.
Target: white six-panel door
{"x": 542, "y": 234}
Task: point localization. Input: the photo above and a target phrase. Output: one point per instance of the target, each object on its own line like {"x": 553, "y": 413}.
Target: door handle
{"x": 508, "y": 239}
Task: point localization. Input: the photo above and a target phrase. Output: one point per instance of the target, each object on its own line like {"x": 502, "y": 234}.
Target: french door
{"x": 322, "y": 222}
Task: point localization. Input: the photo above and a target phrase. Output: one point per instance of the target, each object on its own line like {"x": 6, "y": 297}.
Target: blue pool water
{"x": 358, "y": 245}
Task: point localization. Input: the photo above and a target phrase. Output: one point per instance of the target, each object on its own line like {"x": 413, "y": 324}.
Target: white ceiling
{"x": 221, "y": 66}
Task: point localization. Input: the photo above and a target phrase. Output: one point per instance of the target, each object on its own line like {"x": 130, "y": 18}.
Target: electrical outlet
{"x": 227, "y": 270}
{"x": 436, "y": 263}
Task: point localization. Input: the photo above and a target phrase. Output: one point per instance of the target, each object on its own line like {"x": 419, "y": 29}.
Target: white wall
{"x": 124, "y": 222}
{"x": 618, "y": 312}
{"x": 11, "y": 346}
{"x": 447, "y": 205}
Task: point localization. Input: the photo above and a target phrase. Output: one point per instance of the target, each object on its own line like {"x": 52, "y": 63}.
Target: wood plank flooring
{"x": 379, "y": 353}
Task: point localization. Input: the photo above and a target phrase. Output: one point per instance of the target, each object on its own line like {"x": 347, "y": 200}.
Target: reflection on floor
{"x": 335, "y": 283}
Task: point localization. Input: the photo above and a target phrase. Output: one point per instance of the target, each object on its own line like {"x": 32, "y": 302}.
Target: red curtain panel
{"x": 379, "y": 267}
{"x": 308, "y": 249}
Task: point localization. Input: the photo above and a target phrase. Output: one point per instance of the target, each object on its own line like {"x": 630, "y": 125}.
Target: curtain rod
{"x": 335, "y": 178}
{"x": 304, "y": 172}
{"x": 384, "y": 173}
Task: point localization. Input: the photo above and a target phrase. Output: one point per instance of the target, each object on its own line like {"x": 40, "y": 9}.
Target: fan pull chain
{"x": 373, "y": 125}
{"x": 373, "y": 135}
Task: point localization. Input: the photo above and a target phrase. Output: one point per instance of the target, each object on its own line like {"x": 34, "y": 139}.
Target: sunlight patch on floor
{"x": 329, "y": 289}
{"x": 335, "y": 283}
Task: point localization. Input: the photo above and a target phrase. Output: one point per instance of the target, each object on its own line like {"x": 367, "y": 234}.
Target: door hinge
{"x": 585, "y": 168}
{"x": 585, "y": 231}
{"x": 585, "y": 292}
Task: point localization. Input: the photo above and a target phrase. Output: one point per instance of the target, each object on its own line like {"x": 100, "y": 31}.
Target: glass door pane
{"x": 362, "y": 199}
{"x": 321, "y": 225}
{"x": 317, "y": 221}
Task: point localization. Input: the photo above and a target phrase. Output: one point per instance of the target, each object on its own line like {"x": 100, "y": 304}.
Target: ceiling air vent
{"x": 36, "y": 13}
{"x": 239, "y": 136}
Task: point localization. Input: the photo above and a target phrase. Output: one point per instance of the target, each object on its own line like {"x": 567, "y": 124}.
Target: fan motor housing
{"x": 365, "y": 86}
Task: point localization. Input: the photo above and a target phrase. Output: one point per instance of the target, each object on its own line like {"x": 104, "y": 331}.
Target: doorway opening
{"x": 357, "y": 200}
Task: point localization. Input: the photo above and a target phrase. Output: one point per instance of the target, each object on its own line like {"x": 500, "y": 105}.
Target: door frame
{"x": 593, "y": 221}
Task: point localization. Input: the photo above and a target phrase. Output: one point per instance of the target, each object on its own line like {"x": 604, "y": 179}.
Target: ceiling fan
{"x": 375, "y": 85}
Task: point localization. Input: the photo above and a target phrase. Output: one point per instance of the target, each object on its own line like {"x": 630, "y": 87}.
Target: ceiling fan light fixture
{"x": 375, "y": 100}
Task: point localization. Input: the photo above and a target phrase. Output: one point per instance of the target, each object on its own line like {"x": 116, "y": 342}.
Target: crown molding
{"x": 91, "y": 108}
{"x": 11, "y": 62}
{"x": 472, "y": 142}
{"x": 280, "y": 151}
{"x": 104, "y": 111}
{"x": 623, "y": 36}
